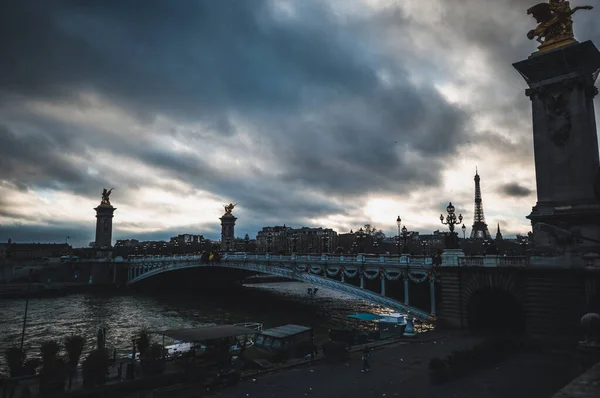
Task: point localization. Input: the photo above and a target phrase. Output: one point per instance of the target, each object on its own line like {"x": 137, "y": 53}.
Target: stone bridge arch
{"x": 322, "y": 279}
{"x": 494, "y": 302}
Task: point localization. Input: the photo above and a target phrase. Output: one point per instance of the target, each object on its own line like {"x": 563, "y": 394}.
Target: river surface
{"x": 272, "y": 304}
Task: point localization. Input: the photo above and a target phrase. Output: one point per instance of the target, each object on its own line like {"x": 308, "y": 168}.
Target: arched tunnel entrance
{"x": 495, "y": 311}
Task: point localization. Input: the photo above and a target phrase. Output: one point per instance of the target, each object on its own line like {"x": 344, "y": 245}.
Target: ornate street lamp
{"x": 404, "y": 239}
{"x": 464, "y": 229}
{"x": 524, "y": 242}
{"x": 325, "y": 239}
{"x": 451, "y": 221}
{"x": 360, "y": 238}
{"x": 398, "y": 223}
{"x": 246, "y": 241}
{"x": 424, "y": 245}
{"x": 486, "y": 246}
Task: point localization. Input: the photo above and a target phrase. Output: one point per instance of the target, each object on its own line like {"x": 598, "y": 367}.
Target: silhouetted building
{"x": 282, "y": 239}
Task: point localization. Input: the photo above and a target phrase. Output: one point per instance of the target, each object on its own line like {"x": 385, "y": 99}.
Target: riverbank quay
{"x": 401, "y": 369}
{"x": 177, "y": 379}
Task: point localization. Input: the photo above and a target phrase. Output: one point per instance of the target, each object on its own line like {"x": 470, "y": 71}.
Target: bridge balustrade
{"x": 493, "y": 261}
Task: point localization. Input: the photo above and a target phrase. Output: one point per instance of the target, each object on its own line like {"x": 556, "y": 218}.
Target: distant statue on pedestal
{"x": 106, "y": 197}
{"x": 229, "y": 208}
{"x": 555, "y": 24}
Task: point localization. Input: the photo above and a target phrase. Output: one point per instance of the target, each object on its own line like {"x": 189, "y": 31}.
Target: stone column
{"x": 406, "y": 302}
{"x": 227, "y": 231}
{"x": 104, "y": 216}
{"x": 362, "y": 280}
{"x": 561, "y": 89}
{"x": 343, "y": 275}
{"x": 382, "y": 284}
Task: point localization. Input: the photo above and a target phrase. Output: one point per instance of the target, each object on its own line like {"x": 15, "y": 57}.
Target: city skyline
{"x": 313, "y": 114}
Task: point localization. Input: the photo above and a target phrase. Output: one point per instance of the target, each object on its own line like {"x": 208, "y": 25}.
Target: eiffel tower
{"x": 480, "y": 228}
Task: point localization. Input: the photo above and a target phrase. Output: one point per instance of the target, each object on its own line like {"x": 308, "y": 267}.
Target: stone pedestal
{"x": 561, "y": 89}
{"x": 104, "y": 216}
{"x": 227, "y": 231}
{"x": 450, "y": 257}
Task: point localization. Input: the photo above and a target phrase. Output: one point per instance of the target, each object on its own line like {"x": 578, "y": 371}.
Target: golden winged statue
{"x": 229, "y": 208}
{"x": 555, "y": 24}
{"x": 106, "y": 197}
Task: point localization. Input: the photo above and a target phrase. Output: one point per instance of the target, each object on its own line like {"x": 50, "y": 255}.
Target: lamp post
{"x": 325, "y": 247}
{"x": 360, "y": 238}
{"x": 464, "y": 229}
{"x": 376, "y": 246}
{"x": 524, "y": 243}
{"x": 398, "y": 223}
{"x": 404, "y": 239}
{"x": 486, "y": 246}
{"x": 246, "y": 241}
{"x": 451, "y": 221}
{"x": 424, "y": 245}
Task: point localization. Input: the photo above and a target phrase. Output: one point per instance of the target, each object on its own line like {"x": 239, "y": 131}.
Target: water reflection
{"x": 123, "y": 315}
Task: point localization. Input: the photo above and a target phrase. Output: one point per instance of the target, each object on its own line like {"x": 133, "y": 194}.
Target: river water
{"x": 272, "y": 304}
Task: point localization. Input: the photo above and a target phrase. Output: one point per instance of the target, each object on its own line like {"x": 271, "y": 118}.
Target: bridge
{"x": 319, "y": 270}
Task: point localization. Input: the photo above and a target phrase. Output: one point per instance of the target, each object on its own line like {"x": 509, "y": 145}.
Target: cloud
{"x": 515, "y": 189}
{"x": 304, "y": 112}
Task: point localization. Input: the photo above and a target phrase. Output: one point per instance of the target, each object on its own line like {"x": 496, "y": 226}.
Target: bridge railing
{"x": 493, "y": 261}
{"x": 403, "y": 260}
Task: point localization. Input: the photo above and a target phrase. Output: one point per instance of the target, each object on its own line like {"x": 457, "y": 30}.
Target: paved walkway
{"x": 402, "y": 371}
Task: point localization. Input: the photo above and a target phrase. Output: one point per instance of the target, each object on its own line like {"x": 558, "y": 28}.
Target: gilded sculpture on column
{"x": 229, "y": 208}
{"x": 555, "y": 24}
{"x": 106, "y": 197}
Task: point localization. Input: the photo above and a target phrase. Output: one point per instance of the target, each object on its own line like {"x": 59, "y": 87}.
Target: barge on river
{"x": 196, "y": 341}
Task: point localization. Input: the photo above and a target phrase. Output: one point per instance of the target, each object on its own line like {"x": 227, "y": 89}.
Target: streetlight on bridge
{"x": 451, "y": 221}
{"x": 376, "y": 246}
{"x": 486, "y": 246}
{"x": 464, "y": 229}
{"x": 424, "y": 245}
{"x": 398, "y": 223}
{"x": 404, "y": 239}
{"x": 360, "y": 238}
{"x": 325, "y": 240}
{"x": 524, "y": 242}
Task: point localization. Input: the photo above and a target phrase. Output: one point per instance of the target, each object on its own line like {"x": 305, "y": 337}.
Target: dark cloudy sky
{"x": 307, "y": 112}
